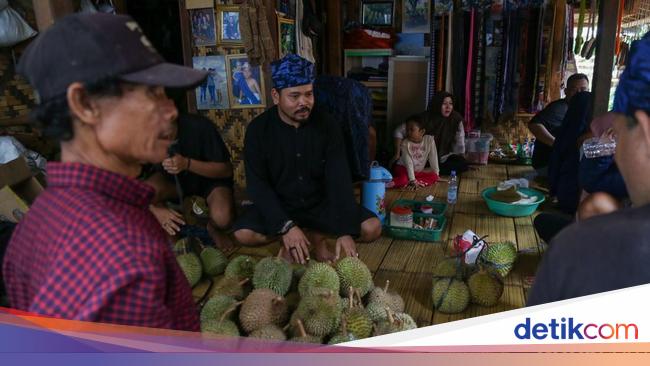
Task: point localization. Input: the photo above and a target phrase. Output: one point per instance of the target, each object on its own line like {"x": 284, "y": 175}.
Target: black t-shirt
{"x": 550, "y": 117}
{"x": 198, "y": 139}
{"x": 604, "y": 253}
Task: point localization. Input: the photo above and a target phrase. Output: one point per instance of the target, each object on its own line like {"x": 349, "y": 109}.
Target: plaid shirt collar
{"x": 114, "y": 185}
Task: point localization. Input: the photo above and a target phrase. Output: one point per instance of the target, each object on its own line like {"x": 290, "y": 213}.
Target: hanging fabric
{"x": 449, "y": 72}
{"x": 432, "y": 57}
{"x": 469, "y": 120}
{"x": 479, "y": 74}
{"x": 618, "y": 28}
{"x": 304, "y": 45}
{"x": 581, "y": 23}
{"x": 459, "y": 58}
{"x": 441, "y": 55}
{"x": 256, "y": 34}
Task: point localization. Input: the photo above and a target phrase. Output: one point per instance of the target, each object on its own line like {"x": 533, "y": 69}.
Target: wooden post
{"x": 334, "y": 47}
{"x": 605, "y": 49}
{"x": 47, "y": 11}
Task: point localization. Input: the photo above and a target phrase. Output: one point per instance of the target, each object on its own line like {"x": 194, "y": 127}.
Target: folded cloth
{"x": 509, "y": 195}
{"x": 517, "y": 183}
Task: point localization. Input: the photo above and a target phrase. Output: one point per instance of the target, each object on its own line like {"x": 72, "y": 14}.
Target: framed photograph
{"x": 228, "y": 21}
{"x": 203, "y": 27}
{"x": 286, "y": 36}
{"x": 213, "y": 93}
{"x": 245, "y": 83}
{"x": 377, "y": 13}
{"x": 416, "y": 16}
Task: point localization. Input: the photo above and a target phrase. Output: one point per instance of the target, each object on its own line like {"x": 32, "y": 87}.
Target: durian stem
{"x": 229, "y": 310}
{"x": 244, "y": 281}
{"x": 356, "y": 291}
{"x": 351, "y": 296}
{"x": 391, "y": 319}
{"x": 301, "y": 328}
{"x": 386, "y": 286}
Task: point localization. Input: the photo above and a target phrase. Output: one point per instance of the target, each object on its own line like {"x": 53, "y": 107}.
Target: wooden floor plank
{"x": 372, "y": 254}
{"x": 412, "y": 256}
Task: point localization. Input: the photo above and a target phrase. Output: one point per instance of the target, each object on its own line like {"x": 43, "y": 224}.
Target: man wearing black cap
{"x": 89, "y": 249}
{"x": 297, "y": 174}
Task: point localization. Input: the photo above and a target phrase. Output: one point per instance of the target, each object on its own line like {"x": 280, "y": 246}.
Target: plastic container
{"x": 418, "y": 234}
{"x": 595, "y": 148}
{"x": 437, "y": 207}
{"x": 401, "y": 216}
{"x": 477, "y": 149}
{"x": 513, "y": 210}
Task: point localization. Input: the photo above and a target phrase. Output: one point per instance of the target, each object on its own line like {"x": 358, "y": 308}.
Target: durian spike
{"x": 301, "y": 328}
{"x": 386, "y": 286}
{"x": 351, "y": 296}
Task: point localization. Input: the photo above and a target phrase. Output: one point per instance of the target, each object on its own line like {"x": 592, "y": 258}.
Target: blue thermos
{"x": 374, "y": 190}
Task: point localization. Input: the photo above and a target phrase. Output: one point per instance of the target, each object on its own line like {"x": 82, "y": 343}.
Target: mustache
{"x": 305, "y": 109}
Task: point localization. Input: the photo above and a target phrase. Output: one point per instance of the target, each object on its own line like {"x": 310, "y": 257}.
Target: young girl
{"x": 416, "y": 149}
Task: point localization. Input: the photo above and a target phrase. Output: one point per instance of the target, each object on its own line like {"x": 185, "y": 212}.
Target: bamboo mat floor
{"x": 409, "y": 264}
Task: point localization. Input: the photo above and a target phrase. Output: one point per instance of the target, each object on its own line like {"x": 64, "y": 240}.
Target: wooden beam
{"x": 186, "y": 41}
{"x": 605, "y": 49}
{"x": 334, "y": 47}
{"x": 47, "y": 11}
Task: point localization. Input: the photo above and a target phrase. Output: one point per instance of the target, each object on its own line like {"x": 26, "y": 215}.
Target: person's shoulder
{"x": 261, "y": 121}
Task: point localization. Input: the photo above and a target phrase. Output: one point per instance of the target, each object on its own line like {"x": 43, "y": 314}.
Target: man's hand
{"x": 176, "y": 164}
{"x": 169, "y": 219}
{"x": 347, "y": 244}
{"x": 296, "y": 244}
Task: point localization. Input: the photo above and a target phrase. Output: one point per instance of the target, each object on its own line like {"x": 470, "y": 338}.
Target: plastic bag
{"x": 10, "y": 149}
{"x": 13, "y": 28}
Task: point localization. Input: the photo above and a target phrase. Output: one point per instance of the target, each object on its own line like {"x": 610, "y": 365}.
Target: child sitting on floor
{"x": 416, "y": 149}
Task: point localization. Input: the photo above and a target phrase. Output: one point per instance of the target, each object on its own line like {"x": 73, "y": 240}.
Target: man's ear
{"x": 275, "y": 94}
{"x": 81, "y": 107}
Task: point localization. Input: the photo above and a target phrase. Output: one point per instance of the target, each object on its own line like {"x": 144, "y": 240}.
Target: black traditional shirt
{"x": 291, "y": 169}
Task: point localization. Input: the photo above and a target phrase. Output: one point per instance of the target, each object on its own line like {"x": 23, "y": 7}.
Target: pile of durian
{"x": 456, "y": 284}
{"x": 272, "y": 299}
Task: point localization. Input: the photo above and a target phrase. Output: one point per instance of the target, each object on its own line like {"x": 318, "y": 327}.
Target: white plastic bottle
{"x": 452, "y": 191}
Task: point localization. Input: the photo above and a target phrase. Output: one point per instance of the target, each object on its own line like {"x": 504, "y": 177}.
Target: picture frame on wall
{"x": 213, "y": 92}
{"x": 203, "y": 27}
{"x": 416, "y": 16}
{"x": 245, "y": 83}
{"x": 377, "y": 13}
{"x": 228, "y": 31}
{"x": 286, "y": 36}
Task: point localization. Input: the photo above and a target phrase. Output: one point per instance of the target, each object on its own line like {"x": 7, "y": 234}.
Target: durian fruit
{"x": 394, "y": 323}
{"x": 376, "y": 311}
{"x": 222, "y": 326}
{"x": 213, "y": 260}
{"x": 320, "y": 312}
{"x": 271, "y": 331}
{"x": 318, "y": 275}
{"x": 242, "y": 266}
{"x": 273, "y": 273}
{"x": 484, "y": 288}
{"x": 262, "y": 307}
{"x": 343, "y": 336}
{"x": 293, "y": 299}
{"x": 450, "y": 295}
{"x": 358, "y": 322}
{"x": 302, "y": 336}
{"x": 216, "y": 306}
{"x": 354, "y": 273}
{"x": 499, "y": 258}
{"x": 191, "y": 266}
{"x": 233, "y": 287}
{"x": 391, "y": 299}
{"x": 449, "y": 267}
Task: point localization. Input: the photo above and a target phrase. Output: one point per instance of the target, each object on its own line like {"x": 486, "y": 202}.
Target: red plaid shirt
{"x": 89, "y": 249}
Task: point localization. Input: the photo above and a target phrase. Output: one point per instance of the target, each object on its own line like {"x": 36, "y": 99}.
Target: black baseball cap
{"x": 90, "y": 47}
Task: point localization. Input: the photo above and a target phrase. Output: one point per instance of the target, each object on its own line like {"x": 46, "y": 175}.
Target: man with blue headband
{"x": 610, "y": 252}
{"x": 297, "y": 174}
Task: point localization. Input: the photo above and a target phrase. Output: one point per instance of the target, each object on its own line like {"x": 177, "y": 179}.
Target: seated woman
{"x": 417, "y": 149}
{"x": 446, "y": 126}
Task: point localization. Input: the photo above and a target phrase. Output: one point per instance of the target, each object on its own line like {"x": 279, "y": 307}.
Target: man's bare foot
{"x": 221, "y": 240}
{"x": 319, "y": 244}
